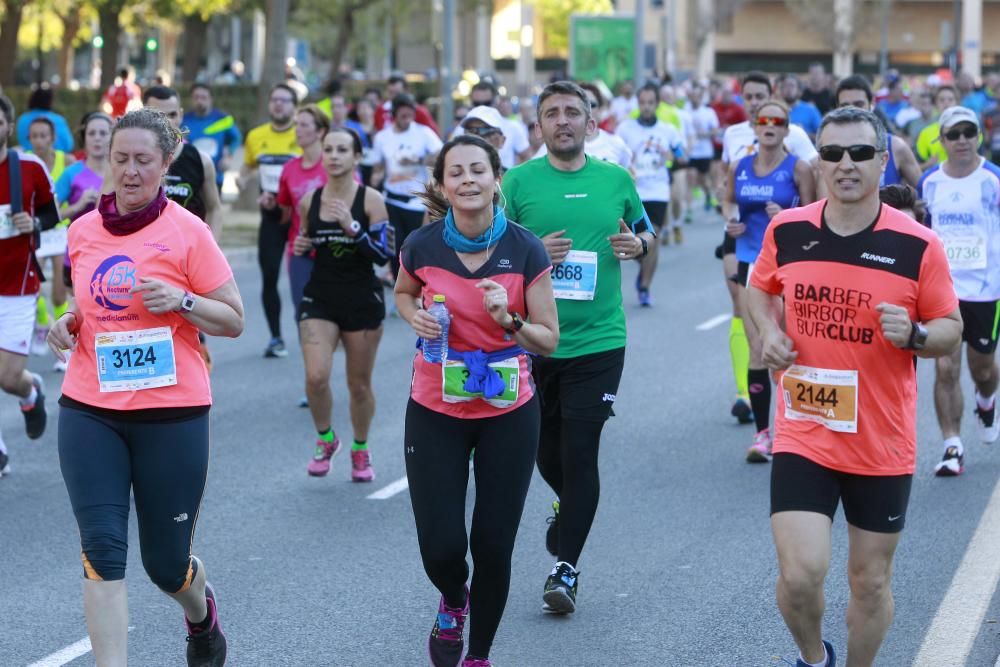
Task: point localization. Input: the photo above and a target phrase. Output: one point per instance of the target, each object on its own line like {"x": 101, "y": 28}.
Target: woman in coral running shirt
{"x": 136, "y": 397}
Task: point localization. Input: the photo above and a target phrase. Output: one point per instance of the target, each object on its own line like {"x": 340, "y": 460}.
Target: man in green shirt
{"x": 590, "y": 218}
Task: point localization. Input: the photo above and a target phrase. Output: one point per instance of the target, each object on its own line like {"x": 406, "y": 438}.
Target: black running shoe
{"x": 989, "y": 425}
{"x": 4, "y": 464}
{"x": 560, "y": 590}
{"x": 35, "y": 417}
{"x": 741, "y": 410}
{"x": 444, "y": 646}
{"x": 208, "y": 647}
{"x": 952, "y": 464}
{"x": 552, "y": 533}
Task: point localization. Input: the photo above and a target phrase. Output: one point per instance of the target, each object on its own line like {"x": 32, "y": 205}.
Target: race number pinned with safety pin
{"x": 135, "y": 360}
{"x": 576, "y": 277}
{"x": 827, "y": 397}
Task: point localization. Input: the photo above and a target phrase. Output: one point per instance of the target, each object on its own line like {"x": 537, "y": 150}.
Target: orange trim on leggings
{"x": 88, "y": 570}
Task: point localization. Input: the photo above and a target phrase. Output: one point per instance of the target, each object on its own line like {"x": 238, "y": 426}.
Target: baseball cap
{"x": 484, "y": 114}
{"x": 952, "y": 116}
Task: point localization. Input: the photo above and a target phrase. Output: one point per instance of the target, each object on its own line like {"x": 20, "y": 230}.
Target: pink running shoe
{"x": 476, "y": 662}
{"x": 444, "y": 646}
{"x": 325, "y": 451}
{"x": 760, "y": 450}
{"x": 361, "y": 466}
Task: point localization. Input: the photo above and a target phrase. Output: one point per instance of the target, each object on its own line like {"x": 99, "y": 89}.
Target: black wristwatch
{"x": 645, "y": 247}
{"x": 516, "y": 324}
{"x": 918, "y": 337}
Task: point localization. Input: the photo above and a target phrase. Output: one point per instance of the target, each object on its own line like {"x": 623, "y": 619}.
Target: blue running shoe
{"x": 831, "y": 657}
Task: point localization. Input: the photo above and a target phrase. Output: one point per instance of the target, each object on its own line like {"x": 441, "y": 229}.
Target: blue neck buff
{"x": 455, "y": 240}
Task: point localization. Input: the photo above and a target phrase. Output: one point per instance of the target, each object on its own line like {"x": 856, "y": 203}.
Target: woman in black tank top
{"x": 346, "y": 223}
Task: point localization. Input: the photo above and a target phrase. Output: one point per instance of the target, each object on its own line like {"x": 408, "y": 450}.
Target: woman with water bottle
{"x": 468, "y": 285}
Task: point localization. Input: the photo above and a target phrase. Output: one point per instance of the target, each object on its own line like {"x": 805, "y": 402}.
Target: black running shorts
{"x": 583, "y": 387}
{"x": 355, "y": 310}
{"x": 657, "y": 212}
{"x": 728, "y": 244}
{"x": 980, "y": 323}
{"x": 873, "y": 503}
{"x": 700, "y": 164}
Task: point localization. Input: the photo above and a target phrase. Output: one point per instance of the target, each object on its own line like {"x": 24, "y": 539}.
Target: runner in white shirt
{"x": 404, "y": 149}
{"x": 625, "y": 103}
{"x": 963, "y": 208}
{"x": 516, "y": 149}
{"x": 654, "y": 145}
{"x": 704, "y": 124}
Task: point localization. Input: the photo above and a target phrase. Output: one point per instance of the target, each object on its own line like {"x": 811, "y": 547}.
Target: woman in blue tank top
{"x": 760, "y": 186}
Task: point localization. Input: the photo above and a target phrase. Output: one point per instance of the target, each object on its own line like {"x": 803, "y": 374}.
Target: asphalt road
{"x": 679, "y": 569}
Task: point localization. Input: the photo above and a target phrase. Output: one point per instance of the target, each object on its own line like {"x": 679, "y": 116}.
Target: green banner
{"x": 602, "y": 47}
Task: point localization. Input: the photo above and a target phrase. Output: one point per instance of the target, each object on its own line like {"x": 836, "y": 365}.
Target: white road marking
{"x": 68, "y": 654}
{"x": 389, "y": 491}
{"x": 714, "y": 322}
{"x": 959, "y": 618}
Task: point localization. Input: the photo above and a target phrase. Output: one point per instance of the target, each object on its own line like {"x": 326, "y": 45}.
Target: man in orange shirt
{"x": 864, "y": 289}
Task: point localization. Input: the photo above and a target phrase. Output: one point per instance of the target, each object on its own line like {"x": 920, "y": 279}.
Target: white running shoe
{"x": 39, "y": 346}
{"x": 989, "y": 425}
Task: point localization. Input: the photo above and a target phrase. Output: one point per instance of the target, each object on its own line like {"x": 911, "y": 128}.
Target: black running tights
{"x": 567, "y": 461}
{"x": 271, "y": 241}
{"x": 437, "y": 449}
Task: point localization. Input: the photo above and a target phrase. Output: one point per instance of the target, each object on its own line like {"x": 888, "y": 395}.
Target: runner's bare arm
{"x": 210, "y": 194}
{"x": 407, "y": 294}
{"x": 944, "y": 334}
{"x": 217, "y": 313}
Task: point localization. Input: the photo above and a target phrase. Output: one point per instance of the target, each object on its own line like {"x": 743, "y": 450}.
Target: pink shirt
{"x": 296, "y": 183}
{"x": 177, "y": 248}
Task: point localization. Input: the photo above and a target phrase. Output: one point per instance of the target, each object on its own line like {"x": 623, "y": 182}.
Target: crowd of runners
{"x": 860, "y": 228}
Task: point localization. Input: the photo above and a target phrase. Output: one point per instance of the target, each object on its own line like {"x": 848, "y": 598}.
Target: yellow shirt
{"x": 269, "y": 150}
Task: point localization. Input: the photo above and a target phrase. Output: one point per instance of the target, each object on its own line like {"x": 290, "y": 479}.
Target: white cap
{"x": 484, "y": 114}
{"x": 952, "y": 116}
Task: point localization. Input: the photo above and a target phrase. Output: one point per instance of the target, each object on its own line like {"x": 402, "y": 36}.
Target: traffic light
{"x": 151, "y": 44}
{"x": 98, "y": 42}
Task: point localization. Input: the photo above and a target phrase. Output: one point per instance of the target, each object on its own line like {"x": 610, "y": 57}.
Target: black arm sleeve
{"x": 48, "y": 215}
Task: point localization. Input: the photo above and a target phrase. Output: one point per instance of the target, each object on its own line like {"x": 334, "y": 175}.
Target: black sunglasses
{"x": 970, "y": 132}
{"x": 858, "y": 152}
{"x": 482, "y": 130}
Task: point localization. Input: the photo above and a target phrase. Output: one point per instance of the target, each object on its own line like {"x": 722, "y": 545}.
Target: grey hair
{"x": 167, "y": 137}
{"x": 850, "y": 115}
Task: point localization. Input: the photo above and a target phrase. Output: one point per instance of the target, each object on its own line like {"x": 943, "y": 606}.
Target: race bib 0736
{"x": 966, "y": 251}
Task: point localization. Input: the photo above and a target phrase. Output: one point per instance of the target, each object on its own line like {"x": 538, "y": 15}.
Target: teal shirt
{"x": 587, "y": 204}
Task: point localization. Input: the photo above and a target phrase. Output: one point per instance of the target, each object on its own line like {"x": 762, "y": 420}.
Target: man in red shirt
{"x": 397, "y": 86}
{"x": 862, "y": 288}
{"x": 21, "y": 218}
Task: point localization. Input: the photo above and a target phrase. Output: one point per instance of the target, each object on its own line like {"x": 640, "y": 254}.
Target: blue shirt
{"x": 891, "y": 174}
{"x": 752, "y": 195}
{"x": 806, "y": 116}
{"x": 64, "y": 138}
{"x": 212, "y": 133}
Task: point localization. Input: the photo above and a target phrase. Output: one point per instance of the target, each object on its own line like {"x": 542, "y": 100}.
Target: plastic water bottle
{"x": 436, "y": 349}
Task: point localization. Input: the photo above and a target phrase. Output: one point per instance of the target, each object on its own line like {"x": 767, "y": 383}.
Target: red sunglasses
{"x": 774, "y": 121}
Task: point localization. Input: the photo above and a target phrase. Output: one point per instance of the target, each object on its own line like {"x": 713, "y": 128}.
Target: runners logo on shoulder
{"x": 609, "y": 398}
{"x": 878, "y": 258}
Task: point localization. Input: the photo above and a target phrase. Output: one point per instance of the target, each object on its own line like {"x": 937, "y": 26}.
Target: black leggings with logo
{"x": 163, "y": 464}
{"x": 437, "y": 449}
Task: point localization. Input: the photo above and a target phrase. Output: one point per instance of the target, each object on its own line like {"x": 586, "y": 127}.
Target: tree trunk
{"x": 195, "y": 38}
{"x": 169, "y": 37}
{"x": 8, "y": 40}
{"x": 342, "y": 46}
{"x": 108, "y": 15}
{"x": 71, "y": 27}
{"x": 275, "y": 44}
